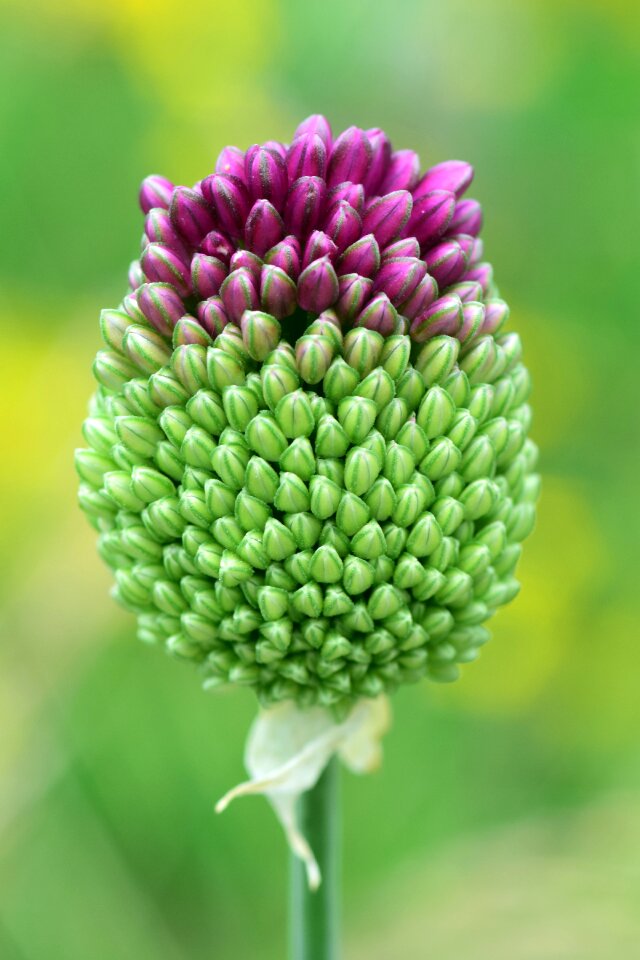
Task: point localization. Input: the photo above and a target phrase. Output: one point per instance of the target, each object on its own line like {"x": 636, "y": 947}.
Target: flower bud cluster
{"x": 307, "y": 458}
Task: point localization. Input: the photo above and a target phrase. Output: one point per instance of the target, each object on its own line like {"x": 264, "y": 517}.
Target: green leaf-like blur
{"x": 504, "y": 822}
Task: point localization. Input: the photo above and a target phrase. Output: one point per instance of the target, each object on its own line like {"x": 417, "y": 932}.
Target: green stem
{"x": 314, "y": 915}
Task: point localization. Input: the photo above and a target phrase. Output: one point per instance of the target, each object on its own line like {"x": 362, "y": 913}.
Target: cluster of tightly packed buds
{"x": 307, "y": 456}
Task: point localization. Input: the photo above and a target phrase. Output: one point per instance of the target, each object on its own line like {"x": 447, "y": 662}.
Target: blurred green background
{"x": 504, "y": 823}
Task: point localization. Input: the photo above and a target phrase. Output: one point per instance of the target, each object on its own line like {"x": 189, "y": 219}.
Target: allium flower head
{"x": 307, "y": 455}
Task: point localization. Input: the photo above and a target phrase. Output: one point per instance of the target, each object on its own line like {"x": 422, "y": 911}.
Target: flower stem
{"x": 314, "y": 915}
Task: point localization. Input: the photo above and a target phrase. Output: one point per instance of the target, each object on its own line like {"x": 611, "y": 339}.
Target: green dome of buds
{"x": 291, "y": 493}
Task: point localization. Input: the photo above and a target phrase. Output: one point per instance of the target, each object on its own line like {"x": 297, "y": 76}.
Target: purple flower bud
{"x": 350, "y": 157}
{"x": 380, "y": 315}
{"x": 155, "y": 191}
{"x": 277, "y": 292}
{"x": 207, "y": 274}
{"x": 442, "y": 317}
{"x": 306, "y": 157}
{"x": 421, "y": 298}
{"x": 136, "y": 274}
{"x": 264, "y": 227}
{"x": 316, "y": 124}
{"x": 230, "y": 199}
{"x": 266, "y": 175}
{"x": 398, "y": 278}
{"x": 387, "y": 215}
{"x": 215, "y": 244}
{"x": 343, "y": 225}
{"x": 161, "y": 264}
{"x": 231, "y": 162}
{"x": 190, "y": 215}
{"x": 453, "y": 175}
{"x": 446, "y": 262}
{"x": 467, "y": 290}
{"x": 380, "y": 156}
{"x": 472, "y": 321}
{"x": 467, "y": 218}
{"x": 318, "y": 286}
{"x": 286, "y": 255}
{"x": 476, "y": 252}
{"x": 190, "y": 330}
{"x": 353, "y": 293}
{"x": 248, "y": 260}
{"x": 467, "y": 245}
{"x": 402, "y": 173}
{"x": 361, "y": 257}
{"x": 353, "y": 193}
{"x": 407, "y": 247}
{"x": 495, "y": 316}
{"x": 239, "y": 293}
{"x": 304, "y": 205}
{"x": 159, "y": 229}
{"x": 431, "y": 215}
{"x": 483, "y": 274}
{"x": 161, "y": 305}
{"x": 318, "y": 245}
{"x": 213, "y": 316}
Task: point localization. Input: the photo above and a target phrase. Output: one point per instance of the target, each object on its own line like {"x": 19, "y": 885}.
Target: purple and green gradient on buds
{"x": 307, "y": 459}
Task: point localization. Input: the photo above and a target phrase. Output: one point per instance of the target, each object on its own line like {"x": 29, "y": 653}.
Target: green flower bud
{"x": 175, "y": 562}
{"x": 223, "y": 370}
{"x": 325, "y": 497}
{"x": 335, "y": 647}
{"x": 165, "y": 389}
{"x": 425, "y": 536}
{"x": 449, "y": 513}
{"x": 410, "y": 502}
{"x": 396, "y": 538}
{"x": 206, "y": 410}
{"x": 220, "y": 498}
{"x": 227, "y": 532}
{"x": 260, "y": 333}
{"x": 169, "y": 461}
{"x": 399, "y": 464}
{"x": 336, "y": 602}
{"x": 294, "y": 415}
{"x": 313, "y": 357}
{"x": 251, "y": 512}
{"x": 384, "y": 601}
{"x": 305, "y": 528}
{"x": 233, "y": 570}
{"x": 358, "y": 619}
{"x": 307, "y": 600}
{"x": 168, "y": 598}
{"x": 412, "y": 436}
{"x": 326, "y": 565}
{"x": 278, "y": 541}
{"x": 197, "y": 448}
{"x": 99, "y": 434}
{"x": 261, "y": 479}
{"x": 493, "y": 536}
{"x": 298, "y": 565}
{"x": 443, "y": 458}
{"x": 362, "y": 349}
{"x": 164, "y": 518}
{"x": 96, "y": 503}
{"x": 111, "y": 370}
{"x": 462, "y": 429}
{"x": 277, "y": 381}
{"x": 136, "y": 394}
{"x": 117, "y": 484}
{"x": 474, "y": 558}
{"x": 299, "y": 458}
{"x": 516, "y": 437}
{"x": 437, "y": 359}
{"x": 333, "y": 536}
{"x": 395, "y": 355}
{"x": 352, "y": 514}
{"x": 521, "y": 522}
{"x": 369, "y": 542}
{"x": 357, "y": 575}
{"x": 381, "y": 499}
{"x": 188, "y": 331}
{"x": 478, "y": 459}
{"x": 497, "y": 430}
{"x": 357, "y": 416}
{"x": 139, "y": 544}
{"x": 377, "y": 386}
{"x": 91, "y": 466}
{"x": 392, "y": 418}
{"x": 265, "y": 437}
{"x": 408, "y": 572}
{"x": 436, "y": 412}
{"x": 145, "y": 348}
{"x": 230, "y": 462}
{"x": 512, "y": 347}
{"x": 230, "y": 342}
{"x": 331, "y": 468}
{"x": 113, "y": 326}
{"x": 292, "y": 495}
{"x": 410, "y": 387}
{"x": 240, "y": 405}
{"x": 251, "y": 549}
{"x": 273, "y": 603}
{"x": 340, "y": 380}
{"x": 431, "y": 581}
{"x": 478, "y": 358}
{"x": 457, "y": 386}
{"x": 193, "y": 507}
{"x": 382, "y": 569}
{"x": 189, "y": 364}
{"x": 174, "y": 422}
{"x": 361, "y": 470}
{"x": 450, "y": 486}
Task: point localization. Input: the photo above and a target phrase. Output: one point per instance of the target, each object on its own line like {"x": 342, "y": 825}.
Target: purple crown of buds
{"x": 342, "y": 223}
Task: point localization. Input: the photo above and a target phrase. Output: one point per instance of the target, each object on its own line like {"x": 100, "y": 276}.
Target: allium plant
{"x": 307, "y": 456}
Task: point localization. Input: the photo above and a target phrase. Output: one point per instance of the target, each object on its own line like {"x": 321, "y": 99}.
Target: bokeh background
{"x": 505, "y": 822}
